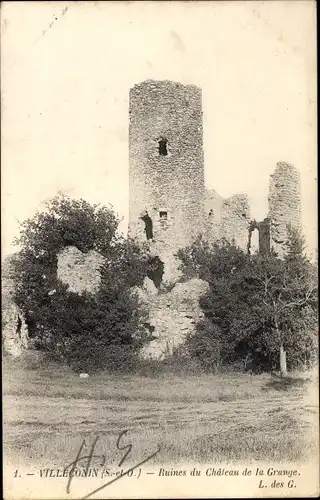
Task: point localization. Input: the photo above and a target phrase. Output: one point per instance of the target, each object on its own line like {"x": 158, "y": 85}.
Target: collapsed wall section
{"x": 227, "y": 218}
{"x": 172, "y": 316}
{"x": 81, "y": 272}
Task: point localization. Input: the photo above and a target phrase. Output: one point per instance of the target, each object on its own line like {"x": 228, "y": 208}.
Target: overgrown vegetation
{"x": 85, "y": 330}
{"x": 260, "y": 312}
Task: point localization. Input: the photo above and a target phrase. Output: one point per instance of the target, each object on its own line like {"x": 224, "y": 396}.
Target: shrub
{"x": 260, "y": 310}
{"x": 86, "y": 331}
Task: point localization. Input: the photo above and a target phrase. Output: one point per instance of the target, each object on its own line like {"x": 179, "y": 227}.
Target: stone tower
{"x": 166, "y": 168}
{"x": 284, "y": 204}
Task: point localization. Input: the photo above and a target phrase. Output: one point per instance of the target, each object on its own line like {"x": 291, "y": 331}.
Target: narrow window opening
{"x": 163, "y": 150}
{"x": 163, "y": 215}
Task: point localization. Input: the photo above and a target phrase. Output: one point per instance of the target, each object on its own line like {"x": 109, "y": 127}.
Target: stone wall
{"x": 227, "y": 218}
{"x": 284, "y": 203}
{"x": 166, "y": 182}
{"x": 14, "y": 330}
{"x": 81, "y": 272}
{"x": 15, "y": 336}
{"x": 213, "y": 207}
{"x": 172, "y": 316}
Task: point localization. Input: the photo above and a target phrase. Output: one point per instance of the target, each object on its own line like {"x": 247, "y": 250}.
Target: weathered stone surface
{"x": 213, "y": 204}
{"x": 173, "y": 316}
{"x": 81, "y": 272}
{"x": 149, "y": 287}
{"x": 168, "y": 187}
{"x": 185, "y": 296}
{"x": 284, "y": 203}
{"x": 14, "y": 330}
{"x": 227, "y": 218}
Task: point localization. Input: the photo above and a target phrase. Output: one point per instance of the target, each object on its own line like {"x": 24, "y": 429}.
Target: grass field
{"x": 218, "y": 418}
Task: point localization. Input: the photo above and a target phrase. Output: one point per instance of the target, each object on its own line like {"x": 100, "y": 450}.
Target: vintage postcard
{"x": 159, "y": 249}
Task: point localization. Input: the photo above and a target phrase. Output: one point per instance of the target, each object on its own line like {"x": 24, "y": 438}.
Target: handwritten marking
{"x": 124, "y": 474}
{"x": 128, "y": 447}
{"x": 91, "y": 455}
{"x": 79, "y": 458}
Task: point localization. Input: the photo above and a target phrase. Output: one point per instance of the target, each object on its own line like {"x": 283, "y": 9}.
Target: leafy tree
{"x": 285, "y": 301}
{"x": 209, "y": 261}
{"x": 80, "y": 329}
{"x": 259, "y": 308}
{"x": 217, "y": 263}
{"x": 295, "y": 247}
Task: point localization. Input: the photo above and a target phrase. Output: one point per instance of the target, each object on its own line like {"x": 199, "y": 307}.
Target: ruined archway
{"x": 263, "y": 239}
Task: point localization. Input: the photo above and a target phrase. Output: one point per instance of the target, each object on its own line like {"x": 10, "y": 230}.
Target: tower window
{"x": 163, "y": 150}
{"x": 163, "y": 215}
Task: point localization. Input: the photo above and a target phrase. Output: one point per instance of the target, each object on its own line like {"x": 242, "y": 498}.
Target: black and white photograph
{"x": 159, "y": 249}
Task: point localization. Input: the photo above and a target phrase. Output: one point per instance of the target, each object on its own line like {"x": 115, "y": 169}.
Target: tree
{"x": 79, "y": 328}
{"x": 258, "y": 307}
{"x": 295, "y": 247}
{"x": 285, "y": 297}
{"x": 209, "y": 261}
{"x": 219, "y": 263}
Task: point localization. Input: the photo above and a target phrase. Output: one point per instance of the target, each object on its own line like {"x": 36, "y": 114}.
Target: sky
{"x": 67, "y": 68}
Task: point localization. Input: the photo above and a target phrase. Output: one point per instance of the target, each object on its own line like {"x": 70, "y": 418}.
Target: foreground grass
{"x": 217, "y": 418}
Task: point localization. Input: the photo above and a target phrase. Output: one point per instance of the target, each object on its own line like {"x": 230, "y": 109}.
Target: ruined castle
{"x": 169, "y": 205}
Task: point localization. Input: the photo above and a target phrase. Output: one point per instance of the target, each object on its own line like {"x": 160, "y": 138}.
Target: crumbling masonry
{"x": 168, "y": 208}
{"x": 169, "y": 204}
{"x": 284, "y": 204}
{"x": 166, "y": 168}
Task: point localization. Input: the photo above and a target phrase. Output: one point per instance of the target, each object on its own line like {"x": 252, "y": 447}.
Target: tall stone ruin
{"x": 284, "y": 204}
{"x": 168, "y": 203}
{"x": 166, "y": 168}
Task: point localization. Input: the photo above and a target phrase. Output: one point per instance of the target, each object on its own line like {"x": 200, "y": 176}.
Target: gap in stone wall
{"x": 156, "y": 271}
